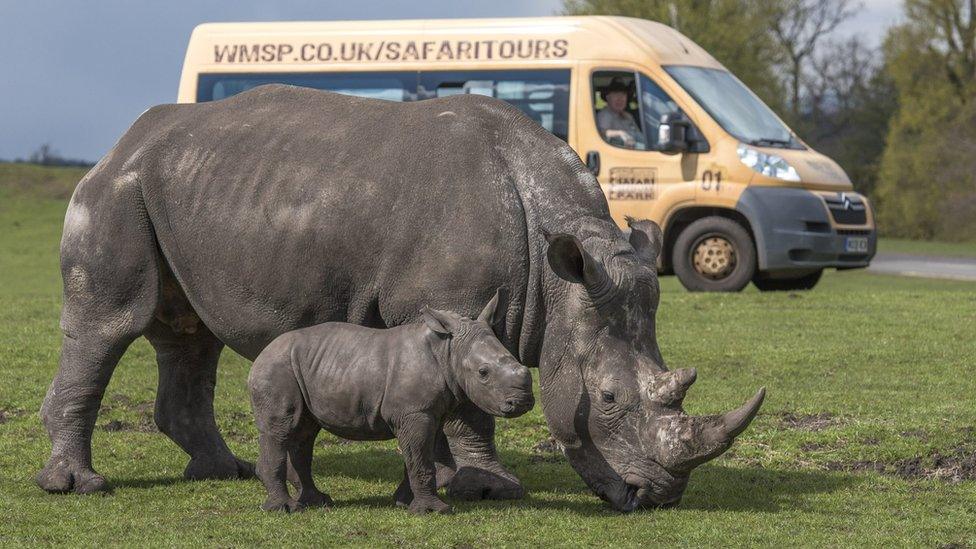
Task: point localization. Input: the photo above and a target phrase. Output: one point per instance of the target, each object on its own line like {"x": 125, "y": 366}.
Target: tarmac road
{"x": 949, "y": 268}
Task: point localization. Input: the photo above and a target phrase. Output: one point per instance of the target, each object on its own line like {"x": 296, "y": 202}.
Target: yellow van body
{"x": 796, "y": 206}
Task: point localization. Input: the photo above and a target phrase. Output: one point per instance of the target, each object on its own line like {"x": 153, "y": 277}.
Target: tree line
{"x": 899, "y": 117}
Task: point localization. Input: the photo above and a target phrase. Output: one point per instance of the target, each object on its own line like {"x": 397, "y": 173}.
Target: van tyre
{"x": 714, "y": 254}
{"x": 805, "y": 282}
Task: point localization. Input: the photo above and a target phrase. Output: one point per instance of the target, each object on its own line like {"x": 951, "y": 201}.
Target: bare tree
{"x": 950, "y": 28}
{"x": 798, "y": 27}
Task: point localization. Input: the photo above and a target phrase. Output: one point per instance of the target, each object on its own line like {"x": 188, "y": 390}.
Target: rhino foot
{"x": 423, "y": 506}
{"x": 403, "y": 495}
{"x": 471, "y": 483}
{"x": 208, "y": 468}
{"x": 60, "y": 476}
{"x": 283, "y": 505}
{"x": 315, "y": 499}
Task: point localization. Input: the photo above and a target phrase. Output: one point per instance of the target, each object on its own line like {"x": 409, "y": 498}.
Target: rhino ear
{"x": 490, "y": 313}
{"x": 440, "y": 322}
{"x": 571, "y": 262}
{"x": 647, "y": 238}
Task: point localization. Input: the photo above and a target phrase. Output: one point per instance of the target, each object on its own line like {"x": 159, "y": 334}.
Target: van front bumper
{"x": 796, "y": 229}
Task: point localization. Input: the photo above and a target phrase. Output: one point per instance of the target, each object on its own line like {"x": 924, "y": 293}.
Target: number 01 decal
{"x": 711, "y": 180}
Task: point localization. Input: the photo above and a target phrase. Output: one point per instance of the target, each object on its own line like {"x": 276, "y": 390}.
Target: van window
{"x": 543, "y": 95}
{"x": 655, "y": 104}
{"x": 732, "y": 105}
{"x": 635, "y": 125}
{"x": 616, "y": 109}
{"x": 392, "y": 86}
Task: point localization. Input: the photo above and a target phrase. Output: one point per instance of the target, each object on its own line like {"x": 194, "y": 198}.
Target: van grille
{"x": 847, "y": 209}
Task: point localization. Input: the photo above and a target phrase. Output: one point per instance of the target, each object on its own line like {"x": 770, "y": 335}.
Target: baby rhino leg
{"x": 416, "y": 437}
{"x": 278, "y": 411}
{"x": 300, "y": 464}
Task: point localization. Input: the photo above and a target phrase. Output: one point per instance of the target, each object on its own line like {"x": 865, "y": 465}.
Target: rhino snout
{"x": 520, "y": 398}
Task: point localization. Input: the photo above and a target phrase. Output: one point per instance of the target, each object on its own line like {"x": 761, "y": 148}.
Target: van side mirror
{"x": 672, "y": 134}
{"x": 593, "y": 162}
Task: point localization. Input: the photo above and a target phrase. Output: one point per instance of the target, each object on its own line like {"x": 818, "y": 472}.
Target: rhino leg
{"x": 300, "y": 465}
{"x": 70, "y": 409}
{"x": 184, "y": 401}
{"x": 109, "y": 270}
{"x": 478, "y": 474}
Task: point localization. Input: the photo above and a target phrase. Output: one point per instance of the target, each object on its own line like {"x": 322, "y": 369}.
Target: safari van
{"x": 669, "y": 132}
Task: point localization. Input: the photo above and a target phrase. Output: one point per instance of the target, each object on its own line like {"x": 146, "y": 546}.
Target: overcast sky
{"x": 76, "y": 74}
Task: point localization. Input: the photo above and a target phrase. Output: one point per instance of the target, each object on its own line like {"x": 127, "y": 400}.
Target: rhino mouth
{"x": 633, "y": 494}
{"x": 642, "y": 497}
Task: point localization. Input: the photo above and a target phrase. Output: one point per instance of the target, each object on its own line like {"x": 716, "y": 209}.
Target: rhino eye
{"x": 483, "y": 372}
{"x": 608, "y": 396}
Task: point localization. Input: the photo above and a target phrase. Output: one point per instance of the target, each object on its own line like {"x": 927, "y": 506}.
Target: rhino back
{"x": 286, "y": 207}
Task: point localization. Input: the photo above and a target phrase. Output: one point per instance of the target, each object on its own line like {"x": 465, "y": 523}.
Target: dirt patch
{"x": 548, "y": 450}
{"x": 953, "y": 467}
{"x": 336, "y": 441}
{"x": 116, "y": 425}
{"x": 144, "y": 426}
{"x": 916, "y": 434}
{"x": 807, "y": 422}
{"x": 857, "y": 466}
{"x": 812, "y": 447}
{"x": 7, "y": 415}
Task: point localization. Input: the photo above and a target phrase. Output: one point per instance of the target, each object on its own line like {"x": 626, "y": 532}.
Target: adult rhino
{"x": 229, "y": 223}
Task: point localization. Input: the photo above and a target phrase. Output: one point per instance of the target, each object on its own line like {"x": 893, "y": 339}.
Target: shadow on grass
{"x": 725, "y": 488}
{"x": 143, "y": 483}
{"x": 712, "y": 487}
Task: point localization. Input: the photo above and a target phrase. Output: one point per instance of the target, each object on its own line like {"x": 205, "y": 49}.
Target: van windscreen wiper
{"x": 767, "y": 142}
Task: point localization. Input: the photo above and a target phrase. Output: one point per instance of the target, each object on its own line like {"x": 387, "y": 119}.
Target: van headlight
{"x": 769, "y": 165}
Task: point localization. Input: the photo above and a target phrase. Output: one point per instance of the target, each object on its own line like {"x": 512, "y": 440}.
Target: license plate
{"x": 856, "y": 244}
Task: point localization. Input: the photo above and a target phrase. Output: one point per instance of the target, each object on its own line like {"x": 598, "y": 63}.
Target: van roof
{"x": 587, "y": 37}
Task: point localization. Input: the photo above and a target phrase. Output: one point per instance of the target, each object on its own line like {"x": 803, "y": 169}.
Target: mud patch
{"x": 333, "y": 440}
{"x": 144, "y": 410}
{"x": 916, "y": 434}
{"x": 952, "y": 467}
{"x": 116, "y": 425}
{"x": 807, "y": 422}
{"x": 548, "y": 451}
{"x": 7, "y": 415}
{"x": 858, "y": 466}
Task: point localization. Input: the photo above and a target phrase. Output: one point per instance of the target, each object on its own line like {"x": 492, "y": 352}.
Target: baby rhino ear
{"x": 440, "y": 322}
{"x": 490, "y": 313}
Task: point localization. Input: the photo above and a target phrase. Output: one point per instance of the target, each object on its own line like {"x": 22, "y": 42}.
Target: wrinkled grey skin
{"x": 235, "y": 221}
{"x": 368, "y": 384}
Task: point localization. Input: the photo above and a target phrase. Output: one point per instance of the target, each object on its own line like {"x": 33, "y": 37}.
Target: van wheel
{"x": 714, "y": 254}
{"x": 805, "y": 282}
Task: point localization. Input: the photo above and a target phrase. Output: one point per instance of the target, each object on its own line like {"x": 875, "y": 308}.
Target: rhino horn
{"x": 714, "y": 434}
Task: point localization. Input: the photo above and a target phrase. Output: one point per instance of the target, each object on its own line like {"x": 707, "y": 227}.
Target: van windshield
{"x": 734, "y": 107}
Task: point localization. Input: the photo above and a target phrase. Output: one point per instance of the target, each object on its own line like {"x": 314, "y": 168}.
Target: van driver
{"x": 615, "y": 124}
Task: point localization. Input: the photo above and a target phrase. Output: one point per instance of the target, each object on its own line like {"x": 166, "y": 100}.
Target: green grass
{"x": 931, "y": 248}
{"x": 890, "y": 362}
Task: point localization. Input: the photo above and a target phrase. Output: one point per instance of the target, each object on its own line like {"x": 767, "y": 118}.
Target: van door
{"x": 618, "y": 120}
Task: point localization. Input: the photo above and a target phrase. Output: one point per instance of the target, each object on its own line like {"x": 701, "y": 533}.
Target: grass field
{"x": 942, "y": 249}
{"x": 867, "y": 436}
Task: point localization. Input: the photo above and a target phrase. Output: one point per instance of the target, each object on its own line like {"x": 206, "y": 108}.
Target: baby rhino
{"x": 372, "y": 384}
